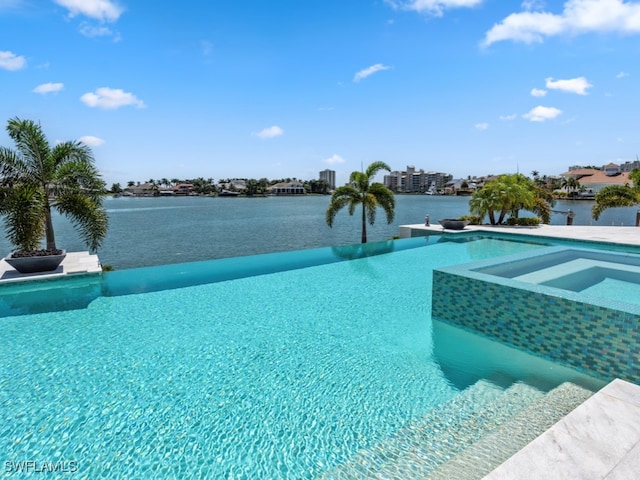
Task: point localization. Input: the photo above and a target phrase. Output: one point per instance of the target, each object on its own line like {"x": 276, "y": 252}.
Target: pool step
{"x": 496, "y": 447}
{"x": 433, "y": 439}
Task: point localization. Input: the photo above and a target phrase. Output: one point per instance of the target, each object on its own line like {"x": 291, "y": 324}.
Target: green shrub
{"x": 523, "y": 222}
{"x": 472, "y": 219}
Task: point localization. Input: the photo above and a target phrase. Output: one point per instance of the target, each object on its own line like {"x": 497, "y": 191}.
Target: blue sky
{"x": 285, "y": 89}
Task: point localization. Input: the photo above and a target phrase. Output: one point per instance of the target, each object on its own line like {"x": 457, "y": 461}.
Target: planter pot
{"x": 35, "y": 264}
{"x": 453, "y": 224}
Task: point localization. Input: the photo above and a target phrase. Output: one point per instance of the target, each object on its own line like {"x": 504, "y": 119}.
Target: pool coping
{"x": 75, "y": 263}
{"x": 598, "y": 439}
{"x": 589, "y": 233}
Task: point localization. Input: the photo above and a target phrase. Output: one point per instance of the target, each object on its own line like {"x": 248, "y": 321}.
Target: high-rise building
{"x": 412, "y": 180}
{"x": 329, "y": 176}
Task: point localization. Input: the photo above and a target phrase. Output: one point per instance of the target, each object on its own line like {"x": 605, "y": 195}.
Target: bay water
{"x": 164, "y": 230}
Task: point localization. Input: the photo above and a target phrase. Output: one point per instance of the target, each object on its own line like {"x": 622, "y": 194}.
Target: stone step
{"x": 437, "y": 436}
{"x": 491, "y": 450}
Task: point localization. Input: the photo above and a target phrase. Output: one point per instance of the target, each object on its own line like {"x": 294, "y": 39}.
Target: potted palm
{"x": 36, "y": 178}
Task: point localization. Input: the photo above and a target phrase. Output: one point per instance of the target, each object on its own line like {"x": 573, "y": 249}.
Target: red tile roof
{"x": 588, "y": 176}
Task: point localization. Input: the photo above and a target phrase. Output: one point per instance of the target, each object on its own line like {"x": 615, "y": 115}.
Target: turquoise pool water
{"x": 603, "y": 274}
{"x": 283, "y": 374}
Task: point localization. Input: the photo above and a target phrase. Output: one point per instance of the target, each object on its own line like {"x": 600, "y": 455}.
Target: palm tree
{"x": 571, "y": 184}
{"x": 508, "y": 194}
{"x": 485, "y": 202}
{"x": 36, "y": 178}
{"x": 360, "y": 190}
{"x": 613, "y": 196}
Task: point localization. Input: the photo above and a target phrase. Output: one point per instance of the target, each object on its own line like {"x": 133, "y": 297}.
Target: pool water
{"x": 607, "y": 275}
{"x": 280, "y": 375}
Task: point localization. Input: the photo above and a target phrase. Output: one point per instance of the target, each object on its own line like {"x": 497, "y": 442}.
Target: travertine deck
{"x": 619, "y": 235}
{"x": 73, "y": 263}
{"x": 598, "y": 440}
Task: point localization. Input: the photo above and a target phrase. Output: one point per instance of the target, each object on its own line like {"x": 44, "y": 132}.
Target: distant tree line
{"x": 207, "y": 186}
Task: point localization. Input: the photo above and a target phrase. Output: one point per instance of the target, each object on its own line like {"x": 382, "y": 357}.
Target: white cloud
{"x": 91, "y": 141}
{"x": 433, "y": 7}
{"x": 334, "y": 159}
{"x": 573, "y": 85}
{"x": 92, "y": 31}
{"x": 622, "y": 75}
{"x": 48, "y": 88}
{"x": 481, "y": 126}
{"x": 110, "y": 99}
{"x": 270, "y": 132}
{"x": 540, "y": 113}
{"x": 513, "y": 116}
{"x": 577, "y": 17}
{"x": 11, "y": 61}
{"x": 362, "y": 74}
{"x": 103, "y": 10}
{"x": 532, "y": 4}
{"x": 538, "y": 92}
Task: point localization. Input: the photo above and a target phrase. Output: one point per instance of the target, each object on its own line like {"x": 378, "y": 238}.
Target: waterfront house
{"x": 182, "y": 189}
{"x": 286, "y": 188}
{"x": 143, "y": 190}
{"x": 593, "y": 180}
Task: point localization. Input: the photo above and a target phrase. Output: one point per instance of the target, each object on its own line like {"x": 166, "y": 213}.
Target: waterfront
{"x": 156, "y": 231}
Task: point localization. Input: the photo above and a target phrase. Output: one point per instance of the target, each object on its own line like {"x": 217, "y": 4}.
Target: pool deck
{"x": 598, "y": 440}
{"x": 617, "y": 235}
{"x": 73, "y": 264}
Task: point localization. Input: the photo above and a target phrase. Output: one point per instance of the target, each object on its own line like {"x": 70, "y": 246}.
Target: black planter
{"x": 42, "y": 263}
{"x": 453, "y": 224}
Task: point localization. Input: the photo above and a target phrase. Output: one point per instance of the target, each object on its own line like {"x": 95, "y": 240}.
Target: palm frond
{"x": 370, "y": 205}
{"x": 31, "y": 144}
{"x": 342, "y": 196}
{"x": 87, "y": 216}
{"x": 375, "y": 167}
{"x": 385, "y": 199}
{"x": 24, "y": 216}
{"x": 614, "y": 196}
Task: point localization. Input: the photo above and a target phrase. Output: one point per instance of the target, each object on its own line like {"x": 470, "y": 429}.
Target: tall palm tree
{"x": 613, "y": 196}
{"x": 360, "y": 191}
{"x": 36, "y": 178}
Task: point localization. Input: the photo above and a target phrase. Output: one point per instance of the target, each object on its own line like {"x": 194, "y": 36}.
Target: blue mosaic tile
{"x": 594, "y": 335}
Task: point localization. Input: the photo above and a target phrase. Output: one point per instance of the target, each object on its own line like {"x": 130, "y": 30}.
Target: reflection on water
{"x": 142, "y": 209}
{"x": 362, "y": 250}
{"x": 466, "y": 357}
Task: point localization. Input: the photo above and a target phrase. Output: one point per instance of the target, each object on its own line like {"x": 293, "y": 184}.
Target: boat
{"x": 431, "y": 190}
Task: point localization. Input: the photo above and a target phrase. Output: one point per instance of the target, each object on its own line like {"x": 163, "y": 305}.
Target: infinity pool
{"x": 208, "y": 371}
